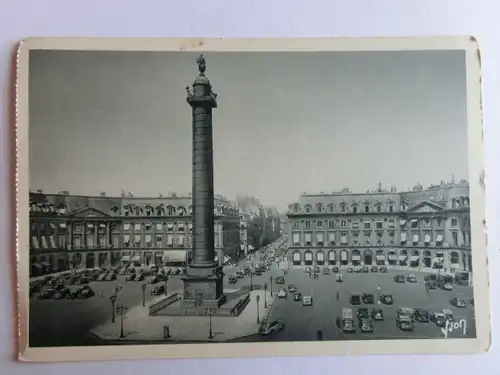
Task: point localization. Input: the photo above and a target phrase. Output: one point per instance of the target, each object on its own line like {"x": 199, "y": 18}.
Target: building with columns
{"x": 69, "y": 231}
{"x": 425, "y": 228}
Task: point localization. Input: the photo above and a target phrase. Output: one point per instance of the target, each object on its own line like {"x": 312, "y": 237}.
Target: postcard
{"x": 183, "y": 198}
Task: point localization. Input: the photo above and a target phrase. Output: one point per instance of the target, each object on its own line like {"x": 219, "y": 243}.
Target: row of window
{"x": 366, "y": 207}
{"x": 159, "y": 241}
{"x": 137, "y": 227}
{"x": 379, "y": 224}
{"x": 320, "y": 240}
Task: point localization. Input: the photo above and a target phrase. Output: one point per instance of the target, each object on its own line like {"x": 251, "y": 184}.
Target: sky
{"x": 286, "y": 123}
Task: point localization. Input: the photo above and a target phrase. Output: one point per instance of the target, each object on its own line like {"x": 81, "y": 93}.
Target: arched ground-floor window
{"x": 344, "y": 258}
{"x": 296, "y": 258}
{"x": 380, "y": 257}
{"x": 427, "y": 259}
{"x": 356, "y": 257}
{"x": 415, "y": 258}
{"x": 392, "y": 258}
{"x": 403, "y": 257}
{"x": 308, "y": 258}
{"x": 320, "y": 258}
{"x": 332, "y": 258}
{"x": 368, "y": 257}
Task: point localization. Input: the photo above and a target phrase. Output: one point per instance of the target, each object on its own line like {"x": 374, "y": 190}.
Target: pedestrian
{"x": 102, "y": 294}
{"x": 338, "y": 296}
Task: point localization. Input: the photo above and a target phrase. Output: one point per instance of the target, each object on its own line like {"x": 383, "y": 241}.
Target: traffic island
{"x": 141, "y": 327}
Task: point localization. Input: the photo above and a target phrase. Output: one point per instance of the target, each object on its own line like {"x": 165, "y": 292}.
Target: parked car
{"x": 292, "y": 288}
{"x": 131, "y": 277}
{"x": 405, "y": 312}
{"x": 307, "y": 301}
{"x": 282, "y": 293}
{"x": 339, "y": 278}
{"x": 383, "y": 269}
{"x": 232, "y": 279}
{"x": 458, "y": 302}
{"x": 377, "y": 314}
{"x": 439, "y": 319}
{"x": 421, "y": 315}
{"x": 274, "y": 326}
{"x": 366, "y": 325}
{"x": 412, "y": 279}
{"x": 326, "y": 271}
{"x": 374, "y": 269}
{"x": 404, "y": 323}
{"x": 349, "y": 270}
{"x": 280, "y": 280}
{"x": 362, "y": 313}
{"x": 355, "y": 299}
{"x": 368, "y": 299}
{"x": 335, "y": 270}
{"x": 61, "y": 293}
{"x": 297, "y": 297}
{"x": 365, "y": 269}
{"x": 47, "y": 294}
{"x": 157, "y": 290}
{"x": 399, "y": 279}
{"x": 386, "y": 299}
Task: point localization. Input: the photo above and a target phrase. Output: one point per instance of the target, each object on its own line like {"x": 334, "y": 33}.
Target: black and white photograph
{"x": 297, "y": 194}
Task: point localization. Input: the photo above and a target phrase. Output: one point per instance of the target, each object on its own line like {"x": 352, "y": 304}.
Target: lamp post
{"x": 144, "y": 294}
{"x": 251, "y": 279}
{"x": 265, "y": 296}
{"x": 166, "y": 284}
{"x": 210, "y": 312}
{"x": 121, "y": 310}
{"x": 271, "y": 283}
{"x": 258, "y": 317}
{"x": 112, "y": 298}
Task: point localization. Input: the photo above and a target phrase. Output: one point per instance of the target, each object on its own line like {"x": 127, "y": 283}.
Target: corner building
{"x": 421, "y": 228}
{"x": 69, "y": 231}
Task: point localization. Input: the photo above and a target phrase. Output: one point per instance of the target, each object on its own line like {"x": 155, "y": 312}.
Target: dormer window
{"x": 391, "y": 207}
{"x": 367, "y": 207}
{"x": 354, "y": 208}
{"x": 343, "y": 207}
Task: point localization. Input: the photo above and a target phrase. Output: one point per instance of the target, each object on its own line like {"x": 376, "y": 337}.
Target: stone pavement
{"x": 139, "y": 326}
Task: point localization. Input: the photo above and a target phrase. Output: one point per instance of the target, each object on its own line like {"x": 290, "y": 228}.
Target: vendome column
{"x": 203, "y": 282}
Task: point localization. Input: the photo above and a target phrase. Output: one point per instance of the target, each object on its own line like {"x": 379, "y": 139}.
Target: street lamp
{"x": 265, "y": 296}
{"x": 271, "y": 283}
{"x": 112, "y": 298}
{"x": 251, "y": 280}
{"x": 210, "y": 312}
{"x": 121, "y": 310}
{"x": 166, "y": 284}
{"x": 258, "y": 299}
{"x": 144, "y": 294}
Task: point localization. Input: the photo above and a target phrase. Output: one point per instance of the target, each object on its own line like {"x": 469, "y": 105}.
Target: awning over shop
{"x": 356, "y": 257}
{"x": 380, "y": 257}
{"x": 402, "y": 258}
{"x": 62, "y": 225}
{"x": 438, "y": 260}
{"x": 125, "y": 258}
{"x": 175, "y": 256}
{"x": 393, "y": 257}
{"x": 403, "y": 237}
{"x": 102, "y": 225}
{"x": 250, "y": 247}
{"x": 415, "y": 238}
{"x": 427, "y": 238}
{"x": 454, "y": 266}
{"x": 439, "y": 238}
{"x": 242, "y": 246}
{"x": 37, "y": 265}
{"x": 415, "y": 258}
{"x": 402, "y": 223}
{"x": 136, "y": 258}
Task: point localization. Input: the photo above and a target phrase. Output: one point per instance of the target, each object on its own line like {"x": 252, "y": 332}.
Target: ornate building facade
{"x": 69, "y": 231}
{"x": 425, "y": 228}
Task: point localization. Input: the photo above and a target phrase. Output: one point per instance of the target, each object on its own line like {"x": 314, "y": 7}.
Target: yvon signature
{"x": 452, "y": 326}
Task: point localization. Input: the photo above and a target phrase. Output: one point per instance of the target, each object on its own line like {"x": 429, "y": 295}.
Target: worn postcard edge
{"x": 282, "y": 349}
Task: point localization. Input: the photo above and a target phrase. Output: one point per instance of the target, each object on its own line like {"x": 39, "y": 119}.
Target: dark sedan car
{"x": 421, "y": 316}
{"x": 386, "y": 299}
{"x": 355, "y": 299}
{"x": 377, "y": 314}
{"x": 363, "y": 313}
{"x": 374, "y": 269}
{"x": 368, "y": 299}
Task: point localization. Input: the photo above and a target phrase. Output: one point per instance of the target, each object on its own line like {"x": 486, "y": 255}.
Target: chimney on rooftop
{"x": 103, "y": 193}
{"x": 39, "y": 191}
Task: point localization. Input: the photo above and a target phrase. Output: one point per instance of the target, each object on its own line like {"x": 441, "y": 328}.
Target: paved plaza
{"x": 83, "y": 322}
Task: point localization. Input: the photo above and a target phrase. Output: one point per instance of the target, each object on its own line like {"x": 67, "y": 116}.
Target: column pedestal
{"x": 203, "y": 288}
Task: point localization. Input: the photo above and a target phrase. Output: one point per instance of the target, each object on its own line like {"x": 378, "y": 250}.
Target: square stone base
{"x": 203, "y": 288}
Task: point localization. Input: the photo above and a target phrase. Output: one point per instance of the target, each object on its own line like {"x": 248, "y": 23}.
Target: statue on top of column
{"x": 202, "y": 66}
